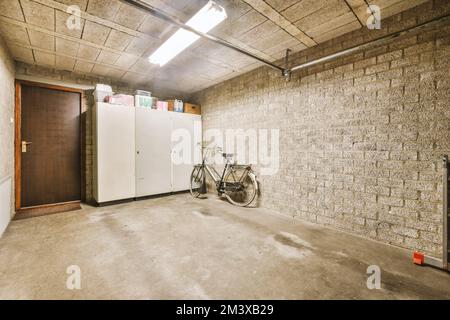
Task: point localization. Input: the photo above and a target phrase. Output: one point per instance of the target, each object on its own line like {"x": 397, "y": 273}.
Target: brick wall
{"x": 66, "y": 78}
{"x": 361, "y": 137}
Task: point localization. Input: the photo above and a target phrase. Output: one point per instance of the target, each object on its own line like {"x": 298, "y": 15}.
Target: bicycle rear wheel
{"x": 240, "y": 187}
{"x": 197, "y": 180}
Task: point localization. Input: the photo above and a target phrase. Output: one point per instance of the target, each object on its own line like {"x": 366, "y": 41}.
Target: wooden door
{"x": 49, "y": 146}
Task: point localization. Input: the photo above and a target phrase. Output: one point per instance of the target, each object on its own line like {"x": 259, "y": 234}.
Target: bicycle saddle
{"x": 227, "y": 155}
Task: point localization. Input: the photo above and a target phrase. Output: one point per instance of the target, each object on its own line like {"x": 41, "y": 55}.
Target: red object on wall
{"x": 418, "y": 258}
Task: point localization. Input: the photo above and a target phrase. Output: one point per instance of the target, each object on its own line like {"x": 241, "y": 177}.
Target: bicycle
{"x": 237, "y": 182}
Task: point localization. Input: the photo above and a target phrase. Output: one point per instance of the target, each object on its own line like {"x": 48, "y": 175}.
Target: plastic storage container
{"x": 103, "y": 87}
{"x": 143, "y": 93}
{"x": 162, "y": 106}
{"x": 176, "y": 105}
{"x": 102, "y": 91}
{"x": 100, "y": 96}
{"x": 143, "y": 101}
{"x": 121, "y": 99}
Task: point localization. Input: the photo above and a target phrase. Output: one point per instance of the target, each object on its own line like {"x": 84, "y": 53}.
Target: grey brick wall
{"x": 361, "y": 137}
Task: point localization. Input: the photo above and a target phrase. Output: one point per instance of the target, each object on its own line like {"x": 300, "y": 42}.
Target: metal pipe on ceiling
{"x": 175, "y": 21}
{"x": 139, "y": 4}
{"x": 373, "y": 43}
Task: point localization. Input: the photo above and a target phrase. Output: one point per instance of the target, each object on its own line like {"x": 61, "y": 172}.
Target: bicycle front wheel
{"x": 240, "y": 187}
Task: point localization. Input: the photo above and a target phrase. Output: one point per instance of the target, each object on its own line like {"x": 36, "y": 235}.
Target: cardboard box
{"x": 192, "y": 108}
{"x": 176, "y": 105}
{"x": 171, "y": 104}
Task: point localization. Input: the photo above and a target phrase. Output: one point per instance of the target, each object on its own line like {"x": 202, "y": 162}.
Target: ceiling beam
{"x": 269, "y": 12}
{"x": 149, "y": 9}
{"x": 89, "y": 17}
{"x": 359, "y": 9}
{"x": 63, "y": 36}
{"x": 94, "y": 45}
{"x": 382, "y": 41}
{"x": 84, "y": 15}
{"x": 63, "y": 55}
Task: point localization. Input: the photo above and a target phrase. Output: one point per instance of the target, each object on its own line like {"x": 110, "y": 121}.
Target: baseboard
{"x": 161, "y": 195}
{"x": 112, "y": 203}
{"x": 38, "y": 211}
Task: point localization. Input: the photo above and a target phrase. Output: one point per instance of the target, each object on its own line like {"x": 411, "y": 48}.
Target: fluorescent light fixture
{"x": 203, "y": 21}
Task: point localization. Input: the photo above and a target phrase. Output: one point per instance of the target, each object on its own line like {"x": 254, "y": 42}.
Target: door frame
{"x": 53, "y": 208}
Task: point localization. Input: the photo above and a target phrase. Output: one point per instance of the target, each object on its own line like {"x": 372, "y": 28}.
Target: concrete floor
{"x": 181, "y": 248}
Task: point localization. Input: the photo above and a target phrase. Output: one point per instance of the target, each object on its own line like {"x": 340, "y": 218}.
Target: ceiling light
{"x": 203, "y": 21}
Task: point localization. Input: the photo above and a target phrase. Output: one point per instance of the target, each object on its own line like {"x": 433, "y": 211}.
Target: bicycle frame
{"x": 212, "y": 172}
{"x": 214, "y": 175}
{"x": 219, "y": 179}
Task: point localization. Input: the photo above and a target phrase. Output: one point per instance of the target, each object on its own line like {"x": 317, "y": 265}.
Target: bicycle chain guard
{"x": 203, "y": 188}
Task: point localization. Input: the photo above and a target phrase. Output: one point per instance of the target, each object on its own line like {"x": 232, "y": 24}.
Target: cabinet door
{"x": 186, "y": 148}
{"x": 153, "y": 149}
{"x": 115, "y": 152}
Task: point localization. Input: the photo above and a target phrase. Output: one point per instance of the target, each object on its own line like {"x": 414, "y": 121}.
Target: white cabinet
{"x": 140, "y": 152}
{"x": 167, "y": 145}
{"x": 114, "y": 152}
{"x": 153, "y": 148}
{"x": 186, "y": 148}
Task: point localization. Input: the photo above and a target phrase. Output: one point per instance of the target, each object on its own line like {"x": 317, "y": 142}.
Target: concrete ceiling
{"x": 115, "y": 39}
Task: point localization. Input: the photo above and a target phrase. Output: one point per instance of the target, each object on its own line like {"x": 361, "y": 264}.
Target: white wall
{"x": 7, "y": 73}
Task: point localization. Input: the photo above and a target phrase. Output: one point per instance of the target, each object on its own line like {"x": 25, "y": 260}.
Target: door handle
{"x": 24, "y": 146}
